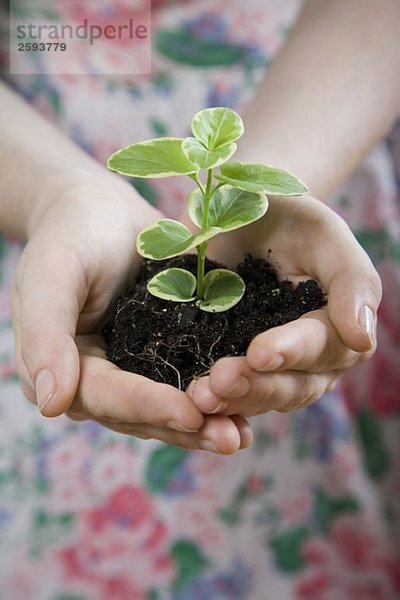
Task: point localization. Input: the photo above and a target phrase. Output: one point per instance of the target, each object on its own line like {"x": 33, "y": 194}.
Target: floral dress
{"x": 311, "y": 511}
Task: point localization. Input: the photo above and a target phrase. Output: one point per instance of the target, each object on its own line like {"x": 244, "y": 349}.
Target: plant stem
{"x": 201, "y": 259}
{"x": 195, "y": 177}
{"x": 207, "y": 199}
{"x": 201, "y": 249}
{"x": 219, "y": 185}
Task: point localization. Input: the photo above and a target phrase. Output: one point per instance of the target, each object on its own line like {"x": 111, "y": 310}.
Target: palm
{"x": 303, "y": 239}
{"x": 283, "y": 236}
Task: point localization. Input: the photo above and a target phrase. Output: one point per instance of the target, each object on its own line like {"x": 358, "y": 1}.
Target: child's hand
{"x": 293, "y": 365}
{"x": 77, "y": 260}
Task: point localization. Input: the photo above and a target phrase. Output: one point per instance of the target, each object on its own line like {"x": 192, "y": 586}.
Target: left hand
{"x": 293, "y": 365}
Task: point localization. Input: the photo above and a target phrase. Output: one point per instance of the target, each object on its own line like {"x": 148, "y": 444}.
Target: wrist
{"x": 87, "y": 190}
{"x": 54, "y": 187}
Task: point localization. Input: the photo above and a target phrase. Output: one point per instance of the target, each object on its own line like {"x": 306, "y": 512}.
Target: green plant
{"x": 233, "y": 198}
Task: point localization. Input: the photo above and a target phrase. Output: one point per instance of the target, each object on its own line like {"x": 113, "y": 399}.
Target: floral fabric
{"x": 311, "y": 511}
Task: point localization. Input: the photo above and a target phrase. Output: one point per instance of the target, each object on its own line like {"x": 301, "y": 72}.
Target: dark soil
{"x": 173, "y": 342}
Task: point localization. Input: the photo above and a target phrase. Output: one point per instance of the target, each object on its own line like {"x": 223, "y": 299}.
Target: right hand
{"x": 78, "y": 258}
{"x": 291, "y": 366}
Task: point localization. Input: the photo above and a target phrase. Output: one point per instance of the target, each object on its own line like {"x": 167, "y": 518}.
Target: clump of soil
{"x": 173, "y": 342}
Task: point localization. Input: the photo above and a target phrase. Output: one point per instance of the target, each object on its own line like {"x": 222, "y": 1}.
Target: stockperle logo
{"x": 76, "y": 38}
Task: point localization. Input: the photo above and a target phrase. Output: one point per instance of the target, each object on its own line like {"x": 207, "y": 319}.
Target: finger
{"x": 283, "y": 392}
{"x": 268, "y": 391}
{"x": 311, "y": 343}
{"x": 221, "y": 435}
{"x": 107, "y": 392}
{"x": 354, "y": 287}
{"x": 352, "y": 305}
{"x": 225, "y": 437}
{"x": 132, "y": 404}
{"x": 245, "y": 431}
{"x": 229, "y": 378}
{"x": 46, "y": 306}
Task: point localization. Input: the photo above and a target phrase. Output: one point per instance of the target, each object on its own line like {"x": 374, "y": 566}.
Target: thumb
{"x": 353, "y": 302}
{"x": 45, "y": 311}
{"x": 354, "y": 287}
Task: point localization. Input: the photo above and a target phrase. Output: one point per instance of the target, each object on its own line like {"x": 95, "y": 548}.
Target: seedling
{"x": 221, "y": 202}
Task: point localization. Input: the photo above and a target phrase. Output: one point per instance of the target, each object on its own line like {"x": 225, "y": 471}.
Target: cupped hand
{"x": 79, "y": 256}
{"x": 293, "y": 365}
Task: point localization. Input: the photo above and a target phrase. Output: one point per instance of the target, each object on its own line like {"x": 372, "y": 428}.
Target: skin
{"x": 283, "y": 370}
{"x": 59, "y": 353}
{"x": 331, "y": 94}
{"x": 326, "y": 100}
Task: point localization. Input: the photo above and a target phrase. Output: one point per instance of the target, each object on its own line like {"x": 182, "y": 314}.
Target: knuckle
{"x": 374, "y": 283}
{"x": 263, "y": 391}
{"x": 29, "y": 343}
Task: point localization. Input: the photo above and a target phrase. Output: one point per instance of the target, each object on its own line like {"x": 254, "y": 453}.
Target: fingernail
{"x": 190, "y": 389}
{"x": 221, "y": 406}
{"x": 275, "y": 362}
{"x": 367, "y": 322}
{"x": 204, "y": 399}
{"x": 45, "y": 387}
{"x": 240, "y": 388}
{"x": 246, "y": 437}
{"x": 208, "y": 445}
{"x": 178, "y": 427}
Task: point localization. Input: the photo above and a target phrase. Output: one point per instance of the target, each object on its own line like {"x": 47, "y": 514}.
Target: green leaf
{"x": 145, "y": 189}
{"x": 48, "y": 526}
{"x": 216, "y": 127}
{"x": 261, "y": 178}
{"x": 161, "y": 157}
{"x": 199, "y": 155}
{"x": 230, "y": 208}
{"x": 162, "y": 467}
{"x": 67, "y": 596}
{"x": 287, "y": 547}
{"x": 328, "y": 508}
{"x": 379, "y": 244}
{"x": 189, "y": 560}
{"x": 167, "y": 238}
{"x": 185, "y": 48}
{"x": 159, "y": 126}
{"x": 376, "y": 456}
{"x": 177, "y": 285}
{"x": 222, "y": 290}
